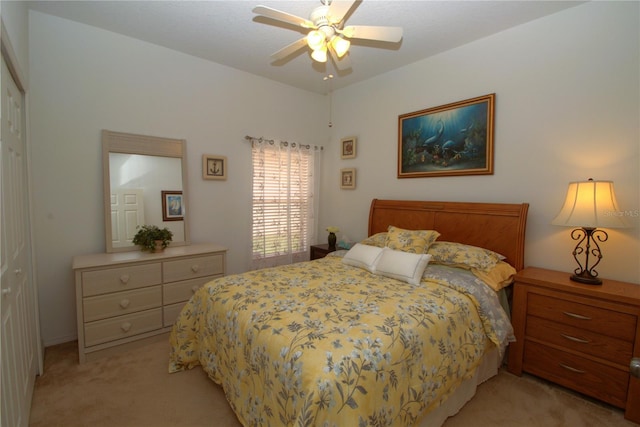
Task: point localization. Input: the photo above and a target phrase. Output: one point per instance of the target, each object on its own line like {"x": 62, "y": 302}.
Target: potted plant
{"x": 151, "y": 238}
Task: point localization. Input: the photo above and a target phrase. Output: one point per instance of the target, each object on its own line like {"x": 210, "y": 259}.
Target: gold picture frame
{"x": 214, "y": 167}
{"x": 348, "y": 147}
{"x": 348, "y": 178}
{"x": 452, "y": 139}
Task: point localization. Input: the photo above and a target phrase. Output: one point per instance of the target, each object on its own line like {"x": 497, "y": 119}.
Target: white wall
{"x": 567, "y": 108}
{"x": 15, "y": 19}
{"x": 83, "y": 80}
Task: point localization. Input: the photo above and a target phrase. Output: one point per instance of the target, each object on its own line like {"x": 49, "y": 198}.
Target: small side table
{"x": 320, "y": 251}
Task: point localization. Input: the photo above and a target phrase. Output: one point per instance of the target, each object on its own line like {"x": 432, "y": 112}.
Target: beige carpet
{"x": 134, "y": 389}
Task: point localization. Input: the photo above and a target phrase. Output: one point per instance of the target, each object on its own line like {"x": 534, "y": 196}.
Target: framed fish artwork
{"x": 452, "y": 139}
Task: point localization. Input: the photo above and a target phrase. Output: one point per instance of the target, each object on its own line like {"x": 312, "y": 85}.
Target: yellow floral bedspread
{"x": 321, "y": 343}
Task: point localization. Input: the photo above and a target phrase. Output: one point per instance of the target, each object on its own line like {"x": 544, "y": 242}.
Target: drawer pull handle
{"x": 195, "y": 268}
{"x": 124, "y": 303}
{"x": 634, "y": 367}
{"x": 124, "y": 279}
{"x": 195, "y": 288}
{"x": 126, "y": 326}
{"x": 569, "y": 368}
{"x": 576, "y": 316}
{"x": 574, "y": 339}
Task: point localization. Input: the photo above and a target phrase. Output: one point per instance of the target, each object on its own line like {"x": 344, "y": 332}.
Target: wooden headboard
{"x": 499, "y": 227}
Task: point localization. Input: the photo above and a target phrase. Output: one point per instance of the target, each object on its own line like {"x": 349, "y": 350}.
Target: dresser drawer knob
{"x": 569, "y": 368}
{"x": 576, "y": 316}
{"x": 574, "y": 339}
{"x": 124, "y": 279}
{"x": 195, "y": 288}
{"x": 126, "y": 326}
{"x": 634, "y": 367}
{"x": 124, "y": 303}
{"x": 195, "y": 268}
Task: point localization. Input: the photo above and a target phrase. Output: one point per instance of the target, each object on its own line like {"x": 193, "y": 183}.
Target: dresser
{"x": 127, "y": 298}
{"x": 583, "y": 337}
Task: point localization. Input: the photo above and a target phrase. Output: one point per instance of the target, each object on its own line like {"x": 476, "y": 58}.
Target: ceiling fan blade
{"x": 289, "y": 49}
{"x": 369, "y": 32}
{"x": 343, "y": 63}
{"x": 338, "y": 9}
{"x": 283, "y": 16}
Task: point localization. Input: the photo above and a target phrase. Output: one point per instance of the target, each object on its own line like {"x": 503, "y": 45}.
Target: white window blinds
{"x": 283, "y": 219}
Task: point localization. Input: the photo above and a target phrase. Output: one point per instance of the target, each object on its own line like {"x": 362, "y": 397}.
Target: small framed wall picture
{"x": 214, "y": 167}
{"x": 348, "y": 178}
{"x": 348, "y": 148}
{"x": 172, "y": 206}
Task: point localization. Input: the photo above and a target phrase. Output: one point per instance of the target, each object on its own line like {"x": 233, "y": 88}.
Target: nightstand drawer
{"x": 596, "y": 319}
{"x": 591, "y": 378}
{"x": 582, "y": 340}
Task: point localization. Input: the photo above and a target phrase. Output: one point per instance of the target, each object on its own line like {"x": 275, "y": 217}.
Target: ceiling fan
{"x": 327, "y": 32}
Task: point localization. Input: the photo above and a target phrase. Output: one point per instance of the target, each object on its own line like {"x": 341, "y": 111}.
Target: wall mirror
{"x": 145, "y": 182}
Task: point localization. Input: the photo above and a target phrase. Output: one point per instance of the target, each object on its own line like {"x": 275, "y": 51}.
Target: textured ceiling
{"x": 229, "y": 33}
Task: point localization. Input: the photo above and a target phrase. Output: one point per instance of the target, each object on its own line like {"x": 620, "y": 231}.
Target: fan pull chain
{"x": 328, "y": 78}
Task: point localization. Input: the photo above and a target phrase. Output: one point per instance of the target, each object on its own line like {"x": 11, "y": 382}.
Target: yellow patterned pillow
{"x": 498, "y": 277}
{"x": 463, "y": 256}
{"x": 412, "y": 241}
{"x": 377, "y": 240}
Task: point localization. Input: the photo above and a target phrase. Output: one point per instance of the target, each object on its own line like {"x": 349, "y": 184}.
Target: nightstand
{"x": 320, "y": 251}
{"x": 583, "y": 337}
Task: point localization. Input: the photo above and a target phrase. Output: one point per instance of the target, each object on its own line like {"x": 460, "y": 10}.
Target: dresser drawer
{"x": 116, "y": 304}
{"x": 119, "y": 279}
{"x": 596, "y": 319}
{"x": 171, "y": 313}
{"x": 103, "y": 331}
{"x": 182, "y": 291}
{"x": 591, "y": 378}
{"x": 192, "y": 268}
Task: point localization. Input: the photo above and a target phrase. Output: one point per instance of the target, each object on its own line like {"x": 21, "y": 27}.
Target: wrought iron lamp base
{"x": 586, "y": 237}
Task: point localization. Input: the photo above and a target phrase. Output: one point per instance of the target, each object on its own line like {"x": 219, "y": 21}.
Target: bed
{"x": 373, "y": 336}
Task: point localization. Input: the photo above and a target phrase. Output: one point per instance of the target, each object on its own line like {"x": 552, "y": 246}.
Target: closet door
{"x": 19, "y": 330}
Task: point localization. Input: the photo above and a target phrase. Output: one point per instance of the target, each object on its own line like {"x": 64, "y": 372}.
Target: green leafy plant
{"x": 148, "y": 235}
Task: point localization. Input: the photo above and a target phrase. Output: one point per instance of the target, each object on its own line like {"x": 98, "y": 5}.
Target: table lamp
{"x": 589, "y": 205}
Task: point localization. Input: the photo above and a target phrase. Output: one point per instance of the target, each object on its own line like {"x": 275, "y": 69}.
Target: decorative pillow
{"x": 463, "y": 256}
{"x": 412, "y": 241}
{"x": 363, "y": 256}
{"x": 498, "y": 277}
{"x": 401, "y": 265}
{"x": 377, "y": 239}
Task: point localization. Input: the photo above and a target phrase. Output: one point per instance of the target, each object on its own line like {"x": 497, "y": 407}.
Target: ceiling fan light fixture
{"x": 320, "y": 54}
{"x": 340, "y": 45}
{"x": 316, "y": 39}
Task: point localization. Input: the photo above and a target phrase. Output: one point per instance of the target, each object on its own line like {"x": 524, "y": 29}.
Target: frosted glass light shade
{"x": 340, "y": 45}
{"x": 320, "y": 54}
{"x": 591, "y": 204}
{"x": 316, "y": 39}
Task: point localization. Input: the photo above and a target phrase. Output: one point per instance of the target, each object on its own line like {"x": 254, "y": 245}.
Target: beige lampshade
{"x": 591, "y": 204}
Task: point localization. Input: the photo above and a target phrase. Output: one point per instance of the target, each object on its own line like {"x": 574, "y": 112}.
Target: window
{"x": 283, "y": 220}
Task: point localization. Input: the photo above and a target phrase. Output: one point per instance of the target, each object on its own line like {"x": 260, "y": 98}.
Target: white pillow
{"x": 363, "y": 256}
{"x": 401, "y": 265}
